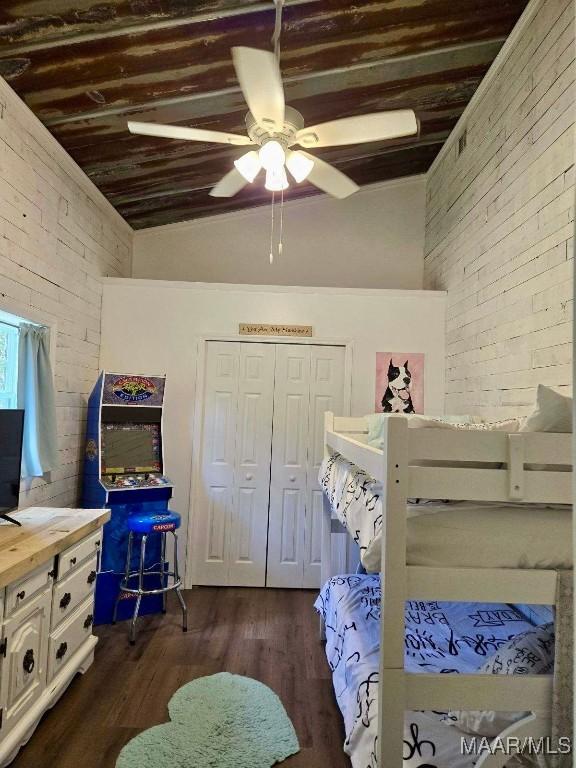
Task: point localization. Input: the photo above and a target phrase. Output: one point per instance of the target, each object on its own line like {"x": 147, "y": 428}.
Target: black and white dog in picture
{"x": 397, "y": 397}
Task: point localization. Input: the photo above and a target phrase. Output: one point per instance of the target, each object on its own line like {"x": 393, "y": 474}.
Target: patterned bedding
{"x": 441, "y": 637}
{"x": 456, "y": 534}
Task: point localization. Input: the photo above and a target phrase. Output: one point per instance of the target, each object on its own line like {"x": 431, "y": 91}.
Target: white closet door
{"x": 215, "y": 498}
{"x": 289, "y": 466}
{"x": 232, "y": 513}
{"x": 249, "y": 526}
{"x": 326, "y": 394}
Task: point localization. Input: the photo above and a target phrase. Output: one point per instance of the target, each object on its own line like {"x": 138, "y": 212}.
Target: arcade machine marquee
{"x": 124, "y": 472}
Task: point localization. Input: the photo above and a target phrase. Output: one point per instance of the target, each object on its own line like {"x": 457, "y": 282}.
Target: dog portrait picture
{"x": 399, "y": 382}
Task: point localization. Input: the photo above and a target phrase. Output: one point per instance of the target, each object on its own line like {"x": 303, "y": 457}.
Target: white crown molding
{"x": 521, "y": 25}
{"x": 10, "y": 100}
{"x": 134, "y": 282}
{"x": 247, "y": 212}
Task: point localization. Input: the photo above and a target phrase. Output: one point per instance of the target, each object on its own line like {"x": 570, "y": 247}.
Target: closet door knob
{"x": 292, "y": 478}
{"x": 249, "y": 477}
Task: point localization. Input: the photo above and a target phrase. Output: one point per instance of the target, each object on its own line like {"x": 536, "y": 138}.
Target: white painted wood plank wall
{"x": 58, "y": 238}
{"x": 499, "y": 224}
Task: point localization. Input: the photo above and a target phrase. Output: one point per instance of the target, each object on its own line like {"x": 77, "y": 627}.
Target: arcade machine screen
{"x": 130, "y": 448}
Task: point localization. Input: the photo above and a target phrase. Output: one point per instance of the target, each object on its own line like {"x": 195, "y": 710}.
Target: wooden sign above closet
{"x": 264, "y": 329}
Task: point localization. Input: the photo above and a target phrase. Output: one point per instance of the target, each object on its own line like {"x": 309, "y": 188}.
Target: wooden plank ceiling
{"x": 86, "y": 67}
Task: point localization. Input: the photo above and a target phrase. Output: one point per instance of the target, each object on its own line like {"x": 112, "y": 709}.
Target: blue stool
{"x": 146, "y": 524}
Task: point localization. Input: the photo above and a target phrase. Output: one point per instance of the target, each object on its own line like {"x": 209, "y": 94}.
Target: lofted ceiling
{"x": 86, "y": 67}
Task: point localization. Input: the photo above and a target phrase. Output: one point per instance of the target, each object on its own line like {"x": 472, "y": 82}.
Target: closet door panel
{"x": 289, "y": 466}
{"x": 326, "y": 394}
{"x": 249, "y": 526}
{"x": 216, "y": 492}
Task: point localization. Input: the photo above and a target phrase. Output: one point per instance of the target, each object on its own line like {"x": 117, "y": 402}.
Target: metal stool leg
{"x": 163, "y": 580}
{"x": 140, "y": 589}
{"x": 125, "y": 579}
{"x": 178, "y": 590}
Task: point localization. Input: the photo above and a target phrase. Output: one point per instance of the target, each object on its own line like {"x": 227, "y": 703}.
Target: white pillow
{"x": 553, "y": 412}
{"x": 529, "y": 653}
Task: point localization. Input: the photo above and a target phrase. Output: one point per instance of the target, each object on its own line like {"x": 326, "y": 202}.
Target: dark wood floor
{"x": 270, "y": 635}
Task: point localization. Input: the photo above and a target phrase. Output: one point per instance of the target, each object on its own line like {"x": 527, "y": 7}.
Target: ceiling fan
{"x": 274, "y": 129}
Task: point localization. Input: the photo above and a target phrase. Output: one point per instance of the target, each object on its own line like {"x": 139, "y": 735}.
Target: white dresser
{"x": 48, "y": 573}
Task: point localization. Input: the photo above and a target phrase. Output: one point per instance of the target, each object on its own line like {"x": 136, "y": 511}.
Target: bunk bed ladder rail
{"x": 393, "y": 474}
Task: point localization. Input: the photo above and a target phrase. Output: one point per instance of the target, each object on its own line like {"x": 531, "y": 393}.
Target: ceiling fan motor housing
{"x": 261, "y": 133}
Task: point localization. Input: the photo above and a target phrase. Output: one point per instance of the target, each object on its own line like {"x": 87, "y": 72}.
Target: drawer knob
{"x": 88, "y": 621}
{"x": 29, "y": 663}
{"x": 72, "y": 561}
{"x": 52, "y": 573}
{"x": 97, "y": 544}
{"x": 91, "y": 577}
{"x": 21, "y": 595}
{"x": 61, "y": 652}
{"x": 65, "y": 602}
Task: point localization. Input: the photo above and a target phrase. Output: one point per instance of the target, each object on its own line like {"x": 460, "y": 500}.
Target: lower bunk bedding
{"x": 447, "y": 638}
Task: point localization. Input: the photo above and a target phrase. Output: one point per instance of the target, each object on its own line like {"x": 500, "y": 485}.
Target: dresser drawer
{"x": 73, "y": 556}
{"x": 65, "y": 641}
{"x": 20, "y": 593}
{"x": 70, "y": 591}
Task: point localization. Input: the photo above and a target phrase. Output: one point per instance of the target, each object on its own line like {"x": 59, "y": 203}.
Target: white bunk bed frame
{"x": 400, "y": 691}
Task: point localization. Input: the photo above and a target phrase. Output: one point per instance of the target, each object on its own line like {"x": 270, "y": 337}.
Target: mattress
{"x": 441, "y": 637}
{"x": 456, "y": 534}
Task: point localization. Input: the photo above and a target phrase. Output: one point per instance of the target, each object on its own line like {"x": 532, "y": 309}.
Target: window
{"x": 8, "y": 365}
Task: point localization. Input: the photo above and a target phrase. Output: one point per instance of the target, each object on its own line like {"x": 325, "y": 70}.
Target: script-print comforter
{"x": 446, "y": 638}
{"x": 355, "y": 499}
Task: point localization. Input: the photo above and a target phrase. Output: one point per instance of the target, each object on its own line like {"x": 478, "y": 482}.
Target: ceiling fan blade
{"x": 329, "y": 179}
{"x": 376, "y": 126}
{"x": 259, "y": 77}
{"x": 188, "y": 134}
{"x": 229, "y": 185}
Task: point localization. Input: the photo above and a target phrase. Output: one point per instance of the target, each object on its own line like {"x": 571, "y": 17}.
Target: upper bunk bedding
{"x": 455, "y": 534}
{"x": 448, "y": 638}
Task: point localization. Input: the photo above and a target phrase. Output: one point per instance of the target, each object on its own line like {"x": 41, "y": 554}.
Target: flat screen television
{"x": 11, "y": 431}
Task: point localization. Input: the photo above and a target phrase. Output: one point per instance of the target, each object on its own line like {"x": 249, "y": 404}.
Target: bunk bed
{"x": 509, "y": 477}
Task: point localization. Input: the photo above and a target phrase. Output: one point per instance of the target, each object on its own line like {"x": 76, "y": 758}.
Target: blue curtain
{"x": 36, "y": 396}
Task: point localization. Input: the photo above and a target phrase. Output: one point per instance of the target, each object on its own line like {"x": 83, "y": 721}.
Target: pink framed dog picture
{"x": 399, "y": 382}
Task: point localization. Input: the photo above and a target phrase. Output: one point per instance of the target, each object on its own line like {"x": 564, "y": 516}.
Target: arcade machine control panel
{"x": 145, "y": 480}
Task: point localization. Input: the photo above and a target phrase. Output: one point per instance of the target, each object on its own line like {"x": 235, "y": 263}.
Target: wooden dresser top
{"x": 45, "y": 532}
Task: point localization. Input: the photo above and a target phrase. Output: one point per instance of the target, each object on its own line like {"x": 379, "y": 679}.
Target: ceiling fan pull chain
{"x": 281, "y": 223}
{"x": 272, "y": 232}
{"x": 277, "y": 28}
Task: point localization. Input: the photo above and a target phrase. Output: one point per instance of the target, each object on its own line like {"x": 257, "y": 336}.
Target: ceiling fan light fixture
{"x": 249, "y": 165}
{"x": 276, "y": 179}
{"x": 272, "y": 155}
{"x": 299, "y": 165}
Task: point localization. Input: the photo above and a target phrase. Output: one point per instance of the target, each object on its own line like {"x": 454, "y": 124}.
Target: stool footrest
{"x": 136, "y": 575}
{"x": 176, "y": 585}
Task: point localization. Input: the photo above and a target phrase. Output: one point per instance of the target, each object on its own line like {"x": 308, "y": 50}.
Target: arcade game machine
{"x": 124, "y": 472}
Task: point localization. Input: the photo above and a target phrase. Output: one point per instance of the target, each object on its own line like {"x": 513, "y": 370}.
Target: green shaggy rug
{"x": 220, "y": 721}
